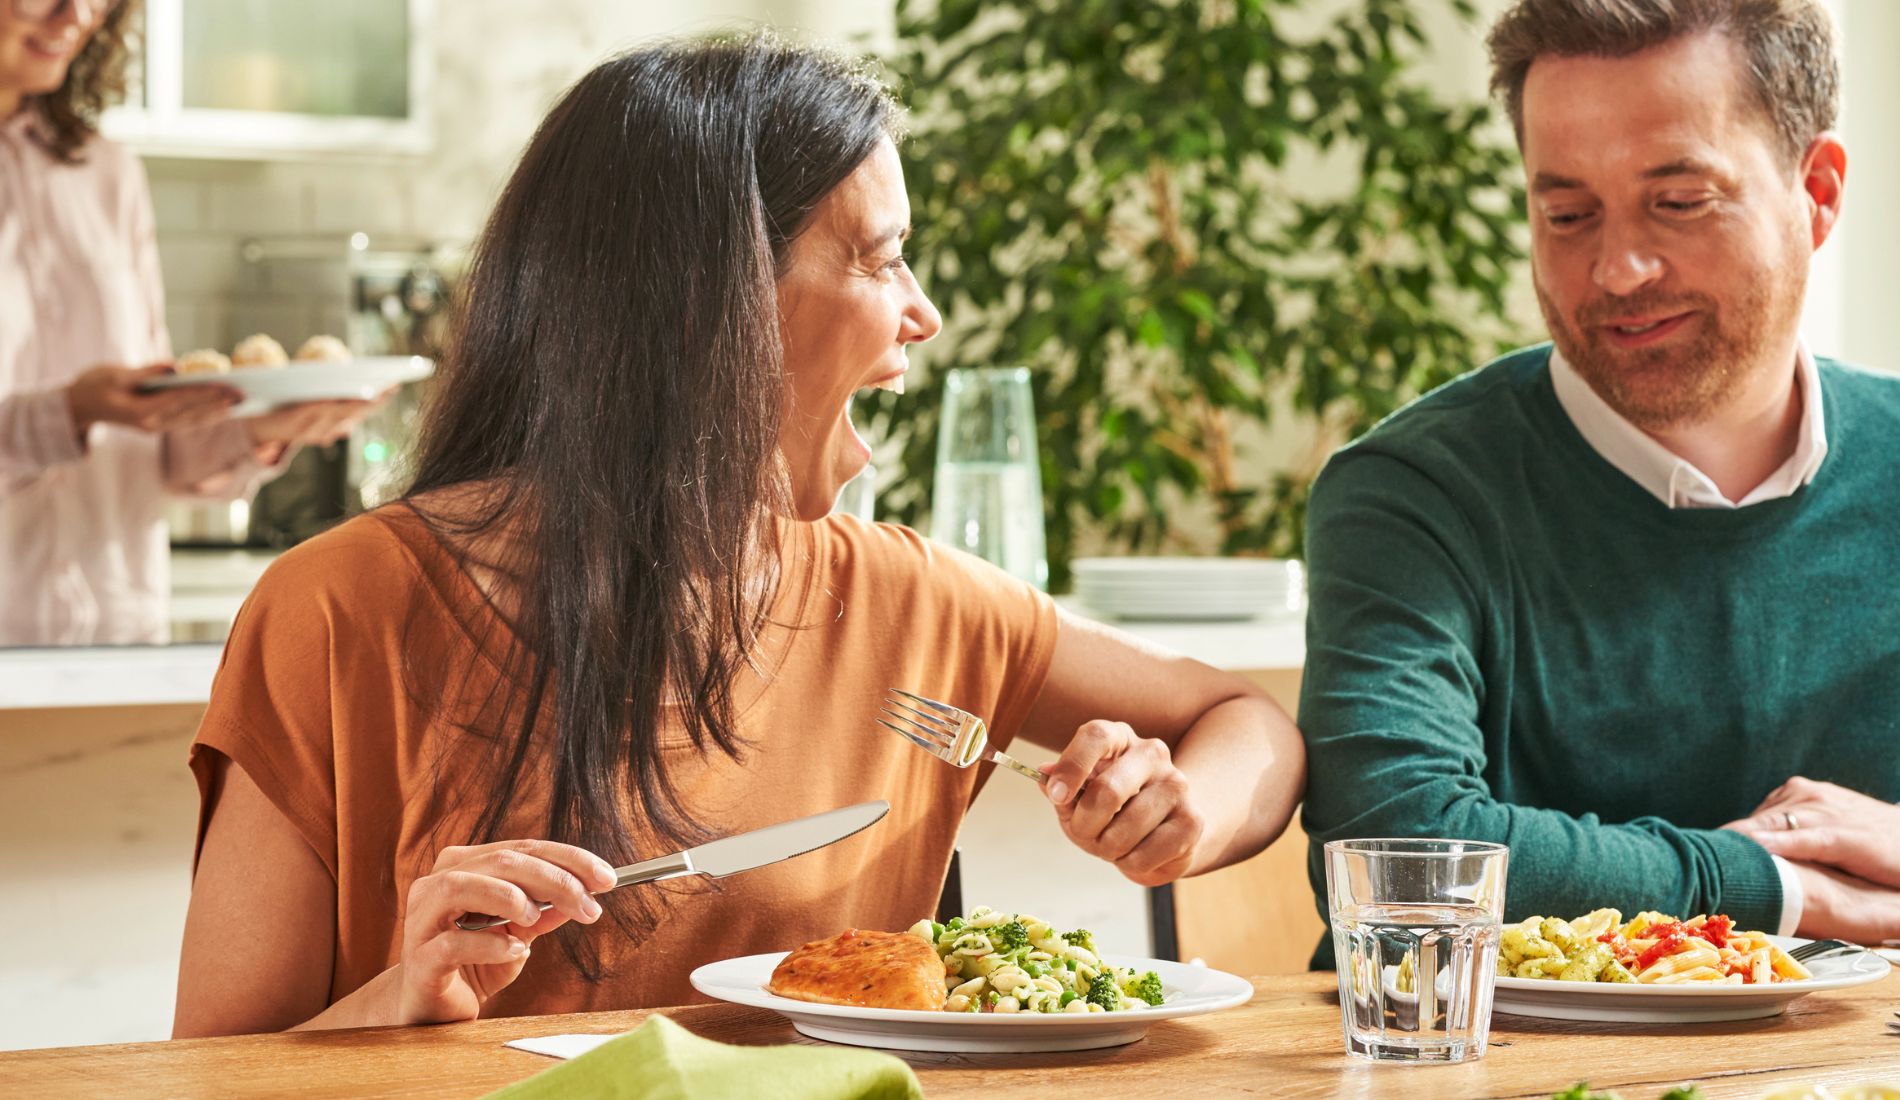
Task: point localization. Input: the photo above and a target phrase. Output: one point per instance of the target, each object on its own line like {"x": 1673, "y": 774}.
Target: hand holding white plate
{"x": 267, "y": 388}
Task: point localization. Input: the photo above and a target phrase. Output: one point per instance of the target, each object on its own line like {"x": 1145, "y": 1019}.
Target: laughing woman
{"x": 614, "y": 614}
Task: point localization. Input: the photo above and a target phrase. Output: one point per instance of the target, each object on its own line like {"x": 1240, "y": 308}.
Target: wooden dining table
{"x": 1284, "y": 1043}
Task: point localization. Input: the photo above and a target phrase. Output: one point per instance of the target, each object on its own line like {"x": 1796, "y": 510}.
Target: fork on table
{"x": 946, "y": 732}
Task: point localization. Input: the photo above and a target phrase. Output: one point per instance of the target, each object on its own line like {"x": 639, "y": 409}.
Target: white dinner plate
{"x": 266, "y": 388}
{"x": 1190, "y": 991}
{"x": 1693, "y": 1003}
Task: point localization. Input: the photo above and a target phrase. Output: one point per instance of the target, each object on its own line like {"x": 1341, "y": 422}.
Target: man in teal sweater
{"x": 1631, "y": 604}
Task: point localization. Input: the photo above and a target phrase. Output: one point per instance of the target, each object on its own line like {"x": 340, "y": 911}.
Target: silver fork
{"x": 947, "y": 732}
{"x": 1827, "y": 948}
{"x": 1893, "y": 1025}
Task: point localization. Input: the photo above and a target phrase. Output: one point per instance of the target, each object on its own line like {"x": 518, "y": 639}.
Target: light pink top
{"x": 83, "y": 546}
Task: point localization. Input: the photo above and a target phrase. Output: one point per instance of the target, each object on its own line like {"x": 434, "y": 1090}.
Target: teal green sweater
{"x": 1509, "y": 640}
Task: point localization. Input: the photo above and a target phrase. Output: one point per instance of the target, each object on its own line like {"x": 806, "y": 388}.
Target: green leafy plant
{"x": 1191, "y": 222}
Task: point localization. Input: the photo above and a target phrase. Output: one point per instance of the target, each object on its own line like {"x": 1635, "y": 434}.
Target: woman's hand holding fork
{"x": 1120, "y": 797}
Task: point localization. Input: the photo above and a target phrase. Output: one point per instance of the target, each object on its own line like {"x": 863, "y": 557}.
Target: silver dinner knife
{"x": 732, "y": 854}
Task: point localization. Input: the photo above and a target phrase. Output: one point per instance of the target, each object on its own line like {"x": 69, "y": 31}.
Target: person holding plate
{"x": 86, "y": 458}
{"x": 615, "y": 613}
{"x": 1607, "y": 595}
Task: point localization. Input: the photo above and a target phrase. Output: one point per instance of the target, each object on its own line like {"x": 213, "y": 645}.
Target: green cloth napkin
{"x": 660, "y": 1060}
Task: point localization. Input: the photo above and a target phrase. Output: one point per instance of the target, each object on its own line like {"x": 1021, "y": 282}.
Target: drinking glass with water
{"x": 987, "y": 498}
{"x": 1415, "y": 936}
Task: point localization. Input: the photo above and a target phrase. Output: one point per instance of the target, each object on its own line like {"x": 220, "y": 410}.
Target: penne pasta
{"x": 1649, "y": 949}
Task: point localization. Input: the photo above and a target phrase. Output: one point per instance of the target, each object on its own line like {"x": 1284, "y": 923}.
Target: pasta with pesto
{"x": 1013, "y": 962}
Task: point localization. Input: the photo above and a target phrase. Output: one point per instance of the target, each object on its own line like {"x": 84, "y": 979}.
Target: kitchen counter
{"x": 208, "y": 587}
{"x": 181, "y": 672}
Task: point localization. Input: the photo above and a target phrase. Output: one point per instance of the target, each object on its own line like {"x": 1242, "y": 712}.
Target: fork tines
{"x": 1808, "y": 952}
{"x": 929, "y": 725}
{"x": 942, "y": 708}
{"x": 913, "y": 736}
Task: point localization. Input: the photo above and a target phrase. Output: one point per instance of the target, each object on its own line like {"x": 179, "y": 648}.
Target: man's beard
{"x": 1681, "y": 382}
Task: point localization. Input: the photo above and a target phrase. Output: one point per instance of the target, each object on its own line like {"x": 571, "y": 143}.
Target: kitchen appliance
{"x": 383, "y": 296}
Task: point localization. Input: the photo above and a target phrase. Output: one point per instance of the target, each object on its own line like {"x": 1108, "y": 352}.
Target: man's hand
{"x": 1842, "y": 907}
{"x": 1135, "y": 808}
{"x": 110, "y": 395}
{"x": 1810, "y": 821}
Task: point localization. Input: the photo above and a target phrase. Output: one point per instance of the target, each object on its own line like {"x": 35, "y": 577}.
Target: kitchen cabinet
{"x": 262, "y": 79}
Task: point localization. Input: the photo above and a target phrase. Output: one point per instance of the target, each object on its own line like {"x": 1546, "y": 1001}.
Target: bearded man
{"x": 1628, "y": 602}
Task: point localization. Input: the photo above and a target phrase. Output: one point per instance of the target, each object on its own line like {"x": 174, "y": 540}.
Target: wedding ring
{"x": 1792, "y": 821}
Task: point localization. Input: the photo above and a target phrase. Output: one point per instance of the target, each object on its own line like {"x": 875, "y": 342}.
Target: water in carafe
{"x": 992, "y": 510}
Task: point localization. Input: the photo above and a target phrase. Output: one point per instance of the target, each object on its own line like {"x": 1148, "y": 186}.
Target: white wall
{"x": 1865, "y": 292}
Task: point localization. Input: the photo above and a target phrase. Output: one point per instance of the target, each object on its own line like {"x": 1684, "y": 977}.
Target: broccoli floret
{"x": 1683, "y": 1092}
{"x": 1103, "y": 991}
{"x": 1147, "y": 987}
{"x": 1009, "y": 936}
{"x": 1081, "y": 938}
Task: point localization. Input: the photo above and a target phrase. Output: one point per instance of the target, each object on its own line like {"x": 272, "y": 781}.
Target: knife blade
{"x": 733, "y": 854}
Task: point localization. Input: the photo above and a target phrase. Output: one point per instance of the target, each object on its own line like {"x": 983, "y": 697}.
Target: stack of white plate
{"x": 1204, "y": 589}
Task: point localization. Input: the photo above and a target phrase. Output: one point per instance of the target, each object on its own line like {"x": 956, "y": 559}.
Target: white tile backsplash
{"x": 197, "y": 266}
{"x": 181, "y": 317}
{"x": 378, "y": 205}
{"x": 260, "y": 207}
{"x": 178, "y": 206}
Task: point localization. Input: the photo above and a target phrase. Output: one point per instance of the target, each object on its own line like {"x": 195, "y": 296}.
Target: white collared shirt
{"x": 1676, "y": 482}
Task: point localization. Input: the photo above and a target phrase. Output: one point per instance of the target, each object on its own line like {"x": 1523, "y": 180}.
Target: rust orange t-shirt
{"x": 324, "y": 699}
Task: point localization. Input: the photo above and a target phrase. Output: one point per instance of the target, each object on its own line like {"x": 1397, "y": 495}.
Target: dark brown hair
{"x": 69, "y": 115}
{"x": 614, "y": 392}
{"x": 1788, "y": 46}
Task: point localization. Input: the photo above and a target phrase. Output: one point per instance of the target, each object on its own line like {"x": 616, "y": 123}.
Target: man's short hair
{"x": 1788, "y": 47}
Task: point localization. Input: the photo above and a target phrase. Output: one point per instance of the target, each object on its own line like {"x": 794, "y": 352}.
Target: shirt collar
{"x": 17, "y": 129}
{"x": 1670, "y": 478}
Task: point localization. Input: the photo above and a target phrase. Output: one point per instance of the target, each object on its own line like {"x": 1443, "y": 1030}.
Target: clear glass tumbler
{"x": 987, "y": 497}
{"x": 1415, "y": 937}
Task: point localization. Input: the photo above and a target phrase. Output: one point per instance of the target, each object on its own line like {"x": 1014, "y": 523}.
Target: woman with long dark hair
{"x": 86, "y": 458}
{"x": 614, "y": 615}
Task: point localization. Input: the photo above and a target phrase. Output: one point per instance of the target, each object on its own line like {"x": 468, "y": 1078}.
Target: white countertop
{"x": 181, "y": 673}
{"x": 107, "y": 676}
